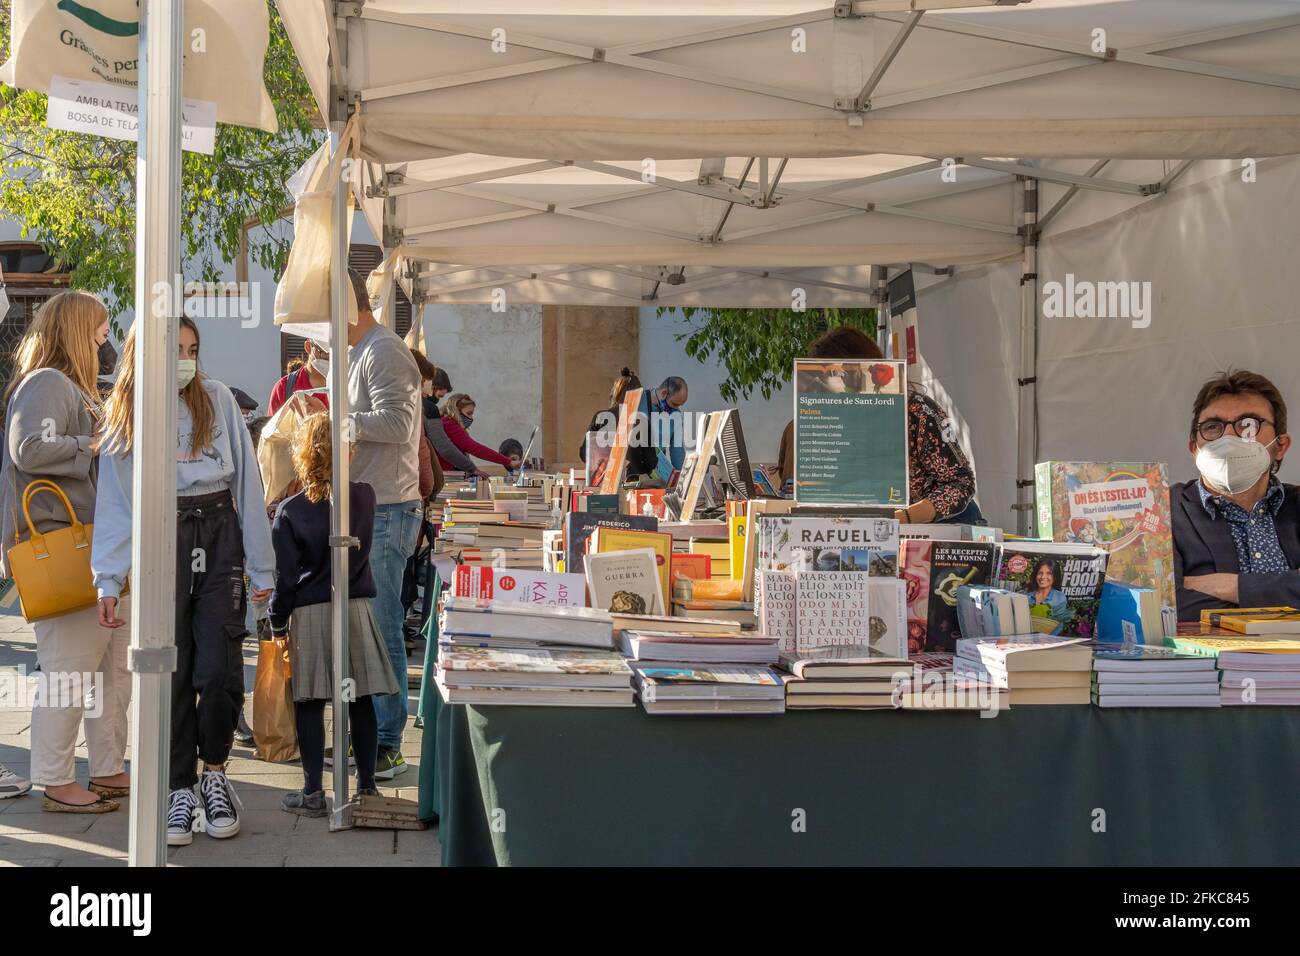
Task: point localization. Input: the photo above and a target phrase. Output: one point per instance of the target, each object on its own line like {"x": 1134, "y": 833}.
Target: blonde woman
{"x": 300, "y": 609}
{"x": 221, "y": 529}
{"x": 52, "y": 408}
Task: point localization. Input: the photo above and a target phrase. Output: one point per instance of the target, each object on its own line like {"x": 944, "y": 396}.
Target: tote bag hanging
{"x": 52, "y": 570}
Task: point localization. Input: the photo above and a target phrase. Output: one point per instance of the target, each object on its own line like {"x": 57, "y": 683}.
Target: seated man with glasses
{"x": 1236, "y": 528}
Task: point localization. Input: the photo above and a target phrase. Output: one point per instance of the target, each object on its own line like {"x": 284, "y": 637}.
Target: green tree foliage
{"x": 75, "y": 194}
{"x": 758, "y": 347}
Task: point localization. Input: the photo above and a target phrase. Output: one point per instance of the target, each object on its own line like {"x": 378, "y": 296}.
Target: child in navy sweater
{"x": 300, "y": 609}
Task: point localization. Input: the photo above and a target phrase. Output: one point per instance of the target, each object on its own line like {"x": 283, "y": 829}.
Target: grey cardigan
{"x": 444, "y": 446}
{"x": 48, "y": 432}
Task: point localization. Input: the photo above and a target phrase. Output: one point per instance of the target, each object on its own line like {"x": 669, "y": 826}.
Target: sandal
{"x": 110, "y": 792}
{"x": 102, "y": 805}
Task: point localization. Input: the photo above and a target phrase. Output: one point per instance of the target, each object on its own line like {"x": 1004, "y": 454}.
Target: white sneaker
{"x": 182, "y": 807}
{"x": 221, "y": 819}
{"x": 12, "y": 785}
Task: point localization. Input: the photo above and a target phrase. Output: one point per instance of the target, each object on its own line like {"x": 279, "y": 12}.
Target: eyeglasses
{"x": 1247, "y": 426}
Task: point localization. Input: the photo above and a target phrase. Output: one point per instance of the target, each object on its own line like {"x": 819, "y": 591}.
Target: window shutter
{"x": 364, "y": 258}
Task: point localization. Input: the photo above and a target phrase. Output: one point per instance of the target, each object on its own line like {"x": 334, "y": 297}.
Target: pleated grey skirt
{"x": 312, "y": 662}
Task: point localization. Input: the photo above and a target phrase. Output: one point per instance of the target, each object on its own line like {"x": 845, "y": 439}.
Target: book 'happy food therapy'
{"x": 1062, "y": 581}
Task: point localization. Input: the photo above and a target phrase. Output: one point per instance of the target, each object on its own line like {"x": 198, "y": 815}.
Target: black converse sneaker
{"x": 221, "y": 819}
{"x": 182, "y": 806}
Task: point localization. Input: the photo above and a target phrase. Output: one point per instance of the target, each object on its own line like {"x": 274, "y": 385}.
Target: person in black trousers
{"x": 300, "y": 609}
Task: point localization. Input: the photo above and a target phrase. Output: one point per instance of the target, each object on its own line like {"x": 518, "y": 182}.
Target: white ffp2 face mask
{"x": 1233, "y": 464}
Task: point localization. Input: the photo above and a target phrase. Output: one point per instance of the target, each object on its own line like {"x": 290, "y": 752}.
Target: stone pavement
{"x": 268, "y": 836}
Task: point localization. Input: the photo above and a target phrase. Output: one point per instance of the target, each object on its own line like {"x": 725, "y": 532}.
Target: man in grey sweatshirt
{"x": 384, "y": 400}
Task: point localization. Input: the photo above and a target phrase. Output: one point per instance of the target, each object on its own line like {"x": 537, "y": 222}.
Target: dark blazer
{"x": 1204, "y": 545}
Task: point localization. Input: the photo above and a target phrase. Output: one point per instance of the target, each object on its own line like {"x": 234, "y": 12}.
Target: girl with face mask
{"x": 221, "y": 529}
{"x": 311, "y": 375}
{"x": 457, "y": 416}
{"x": 52, "y": 411}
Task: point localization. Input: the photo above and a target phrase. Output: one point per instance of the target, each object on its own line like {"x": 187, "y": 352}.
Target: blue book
{"x": 1124, "y": 614}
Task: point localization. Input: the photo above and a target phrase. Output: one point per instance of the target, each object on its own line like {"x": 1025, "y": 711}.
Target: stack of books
{"x": 530, "y": 654}
{"x": 1138, "y": 675}
{"x": 850, "y": 677}
{"x": 716, "y": 689}
{"x": 1254, "y": 671}
{"x": 651, "y": 639}
{"x": 1252, "y": 621}
{"x": 1033, "y": 668}
{"x": 700, "y": 665}
{"x": 933, "y": 685}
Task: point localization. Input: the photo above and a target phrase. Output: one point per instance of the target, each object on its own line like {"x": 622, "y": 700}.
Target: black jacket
{"x": 1204, "y": 545}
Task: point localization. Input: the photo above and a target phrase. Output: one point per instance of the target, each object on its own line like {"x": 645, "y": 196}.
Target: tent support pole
{"x": 340, "y": 433}
{"x": 880, "y": 296}
{"x": 152, "y": 656}
{"x": 1027, "y": 418}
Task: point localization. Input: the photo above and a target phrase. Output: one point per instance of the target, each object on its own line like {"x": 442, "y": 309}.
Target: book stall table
{"x": 1033, "y": 786}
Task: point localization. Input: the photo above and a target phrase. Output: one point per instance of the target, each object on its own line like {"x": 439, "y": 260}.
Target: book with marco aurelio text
{"x": 932, "y": 572}
{"x": 777, "y": 594}
{"x": 831, "y": 607}
{"x": 1062, "y": 581}
{"x": 1122, "y": 507}
{"x": 625, "y": 582}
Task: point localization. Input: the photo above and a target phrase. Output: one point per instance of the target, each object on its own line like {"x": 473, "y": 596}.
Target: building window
{"x": 30, "y": 276}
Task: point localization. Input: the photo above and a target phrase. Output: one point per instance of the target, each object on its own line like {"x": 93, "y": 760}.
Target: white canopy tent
{"x": 611, "y": 152}
{"x": 704, "y": 152}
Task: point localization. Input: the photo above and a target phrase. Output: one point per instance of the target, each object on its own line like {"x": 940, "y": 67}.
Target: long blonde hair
{"x": 313, "y": 456}
{"x": 62, "y": 336}
{"x": 118, "y": 433}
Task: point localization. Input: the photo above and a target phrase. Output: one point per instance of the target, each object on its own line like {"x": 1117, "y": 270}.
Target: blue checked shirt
{"x": 1255, "y": 534}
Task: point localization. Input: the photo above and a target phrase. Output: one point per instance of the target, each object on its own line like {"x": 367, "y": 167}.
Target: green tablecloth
{"x": 1035, "y": 785}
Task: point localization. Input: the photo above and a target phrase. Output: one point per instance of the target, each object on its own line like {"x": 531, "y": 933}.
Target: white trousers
{"x": 83, "y": 675}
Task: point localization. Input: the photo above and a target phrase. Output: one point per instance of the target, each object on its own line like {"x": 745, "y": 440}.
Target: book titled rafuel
{"x": 932, "y": 572}
{"x": 1062, "y": 581}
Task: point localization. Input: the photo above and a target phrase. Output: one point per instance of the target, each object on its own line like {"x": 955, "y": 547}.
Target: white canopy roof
{"x": 590, "y": 152}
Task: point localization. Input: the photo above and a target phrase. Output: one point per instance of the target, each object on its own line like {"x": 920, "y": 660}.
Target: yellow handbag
{"x": 52, "y": 570}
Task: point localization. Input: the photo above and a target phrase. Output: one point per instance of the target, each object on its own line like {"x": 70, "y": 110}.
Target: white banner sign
{"x": 100, "y": 109}
{"x": 98, "y": 41}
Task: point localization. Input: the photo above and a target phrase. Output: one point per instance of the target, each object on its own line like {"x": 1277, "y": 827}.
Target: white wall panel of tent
{"x": 1221, "y": 259}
